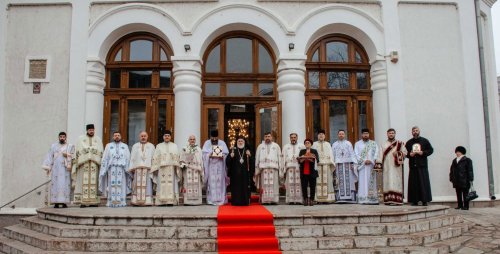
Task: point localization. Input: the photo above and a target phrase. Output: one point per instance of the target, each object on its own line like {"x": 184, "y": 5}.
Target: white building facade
{"x": 245, "y": 67}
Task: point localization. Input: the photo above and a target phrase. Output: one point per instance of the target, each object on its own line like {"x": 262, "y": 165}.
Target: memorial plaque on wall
{"x": 38, "y": 69}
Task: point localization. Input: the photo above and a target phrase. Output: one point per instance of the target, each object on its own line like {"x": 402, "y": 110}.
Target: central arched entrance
{"x": 239, "y": 89}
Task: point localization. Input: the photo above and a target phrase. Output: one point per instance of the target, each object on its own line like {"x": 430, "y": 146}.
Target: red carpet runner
{"x": 246, "y": 229}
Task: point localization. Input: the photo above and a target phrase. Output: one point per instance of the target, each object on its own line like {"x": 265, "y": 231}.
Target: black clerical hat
{"x": 214, "y": 133}
{"x": 461, "y": 149}
{"x": 90, "y": 126}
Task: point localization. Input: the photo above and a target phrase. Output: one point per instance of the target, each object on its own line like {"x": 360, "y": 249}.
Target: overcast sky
{"x": 496, "y": 32}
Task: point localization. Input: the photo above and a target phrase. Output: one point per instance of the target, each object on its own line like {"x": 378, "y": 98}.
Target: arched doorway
{"x": 138, "y": 94}
{"x": 239, "y": 89}
{"x": 338, "y": 94}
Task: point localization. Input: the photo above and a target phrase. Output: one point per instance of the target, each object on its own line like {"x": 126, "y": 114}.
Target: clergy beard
{"x": 365, "y": 139}
{"x": 241, "y": 146}
{"x": 90, "y": 135}
{"x": 392, "y": 139}
{"x": 62, "y": 142}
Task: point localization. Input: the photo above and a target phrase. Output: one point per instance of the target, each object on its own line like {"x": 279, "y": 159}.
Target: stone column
{"x": 94, "y": 95}
{"x": 381, "y": 118}
{"x": 187, "y": 90}
{"x": 291, "y": 88}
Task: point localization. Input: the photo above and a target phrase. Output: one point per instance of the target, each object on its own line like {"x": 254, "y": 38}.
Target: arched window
{"x": 239, "y": 86}
{"x": 138, "y": 94}
{"x": 338, "y": 88}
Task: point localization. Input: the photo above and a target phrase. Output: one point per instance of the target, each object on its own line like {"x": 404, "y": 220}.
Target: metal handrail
{"x": 25, "y": 194}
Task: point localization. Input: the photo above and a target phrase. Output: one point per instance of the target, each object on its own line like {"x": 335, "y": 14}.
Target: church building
{"x": 247, "y": 68}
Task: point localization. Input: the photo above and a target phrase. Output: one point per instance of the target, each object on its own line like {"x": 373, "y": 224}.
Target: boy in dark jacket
{"x": 461, "y": 175}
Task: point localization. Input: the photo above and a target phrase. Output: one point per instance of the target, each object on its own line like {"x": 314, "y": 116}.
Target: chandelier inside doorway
{"x": 237, "y": 127}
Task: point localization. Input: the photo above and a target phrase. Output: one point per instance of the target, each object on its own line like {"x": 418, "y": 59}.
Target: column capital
{"x": 187, "y": 74}
{"x": 291, "y": 73}
{"x": 95, "y": 76}
{"x": 378, "y": 74}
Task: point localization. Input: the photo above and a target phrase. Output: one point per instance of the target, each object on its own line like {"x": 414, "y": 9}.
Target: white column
{"x": 78, "y": 70}
{"x": 94, "y": 95}
{"x": 3, "y": 79}
{"x": 291, "y": 88}
{"x": 394, "y": 72}
{"x": 378, "y": 75}
{"x": 187, "y": 90}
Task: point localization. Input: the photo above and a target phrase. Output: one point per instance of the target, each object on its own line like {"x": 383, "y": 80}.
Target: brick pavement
{"x": 485, "y": 232}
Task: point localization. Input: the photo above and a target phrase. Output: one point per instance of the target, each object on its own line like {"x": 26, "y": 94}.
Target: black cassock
{"x": 239, "y": 169}
{"x": 419, "y": 186}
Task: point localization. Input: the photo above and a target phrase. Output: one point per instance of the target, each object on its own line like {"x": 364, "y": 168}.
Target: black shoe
{"x": 458, "y": 208}
{"x": 56, "y": 205}
{"x": 414, "y": 204}
{"x": 93, "y": 205}
{"x": 424, "y": 203}
{"x": 83, "y": 206}
{"x": 64, "y": 206}
{"x": 465, "y": 208}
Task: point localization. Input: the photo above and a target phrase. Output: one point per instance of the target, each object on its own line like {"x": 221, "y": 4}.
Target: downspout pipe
{"x": 484, "y": 89}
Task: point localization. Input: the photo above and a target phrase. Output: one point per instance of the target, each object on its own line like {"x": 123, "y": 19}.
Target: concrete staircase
{"x": 318, "y": 229}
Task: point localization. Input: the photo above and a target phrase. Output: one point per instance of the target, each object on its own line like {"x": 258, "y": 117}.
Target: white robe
{"x": 85, "y": 171}
{"x": 141, "y": 159}
{"x": 216, "y": 178}
{"x": 191, "y": 162}
{"x": 325, "y": 192}
{"x": 346, "y": 171}
{"x": 59, "y": 168}
{"x": 290, "y": 172}
{"x": 392, "y": 175}
{"x": 267, "y": 167}
{"x": 367, "y": 187}
{"x": 167, "y": 173}
{"x": 114, "y": 180}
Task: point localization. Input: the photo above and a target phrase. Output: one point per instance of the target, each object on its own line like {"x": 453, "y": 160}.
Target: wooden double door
{"x": 334, "y": 113}
{"x": 131, "y": 114}
{"x": 261, "y": 118}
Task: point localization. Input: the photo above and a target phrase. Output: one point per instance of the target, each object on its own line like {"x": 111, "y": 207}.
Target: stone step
{"x": 117, "y": 232}
{"x": 16, "y": 247}
{"x": 368, "y": 242}
{"x": 393, "y": 250}
{"x": 47, "y": 242}
{"x": 391, "y": 228}
{"x": 450, "y": 245}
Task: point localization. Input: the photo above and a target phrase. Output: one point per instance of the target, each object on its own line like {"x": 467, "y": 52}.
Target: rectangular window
{"x": 337, "y": 80}
{"x": 313, "y": 77}
{"x": 162, "y": 119}
{"x": 212, "y": 89}
{"x": 362, "y": 80}
{"x": 337, "y": 119}
{"x": 213, "y": 120}
{"x": 114, "y": 78}
{"x": 139, "y": 78}
{"x": 316, "y": 108}
{"x": 266, "y": 89}
{"x": 165, "y": 78}
{"x": 239, "y": 89}
{"x": 136, "y": 120}
{"x": 362, "y": 116}
{"x": 114, "y": 119}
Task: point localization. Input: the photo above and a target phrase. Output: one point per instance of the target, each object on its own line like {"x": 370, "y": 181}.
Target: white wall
{"x": 434, "y": 84}
{"x": 32, "y": 121}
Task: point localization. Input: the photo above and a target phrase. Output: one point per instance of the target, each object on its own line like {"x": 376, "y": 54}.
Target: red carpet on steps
{"x": 246, "y": 229}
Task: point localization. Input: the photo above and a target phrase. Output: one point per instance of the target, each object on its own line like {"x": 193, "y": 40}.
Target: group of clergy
{"x": 316, "y": 172}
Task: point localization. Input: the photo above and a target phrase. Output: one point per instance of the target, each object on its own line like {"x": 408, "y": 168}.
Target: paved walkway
{"x": 486, "y": 232}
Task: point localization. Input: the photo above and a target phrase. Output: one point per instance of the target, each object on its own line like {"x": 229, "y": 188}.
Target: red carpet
{"x": 246, "y": 229}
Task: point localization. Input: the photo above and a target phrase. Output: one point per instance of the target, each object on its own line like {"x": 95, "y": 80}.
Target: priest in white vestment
{"x": 345, "y": 169}
{"x": 191, "y": 163}
{"x": 141, "y": 159}
{"x": 58, "y": 167}
{"x": 85, "y": 171}
{"x": 290, "y": 171}
{"x": 393, "y": 154}
{"x": 325, "y": 190}
{"x": 367, "y": 155}
{"x": 166, "y": 171}
{"x": 267, "y": 167}
{"x": 114, "y": 179}
{"x": 216, "y": 180}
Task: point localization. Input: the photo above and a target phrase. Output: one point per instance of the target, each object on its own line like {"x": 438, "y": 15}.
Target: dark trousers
{"x": 308, "y": 180}
{"x": 461, "y": 195}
